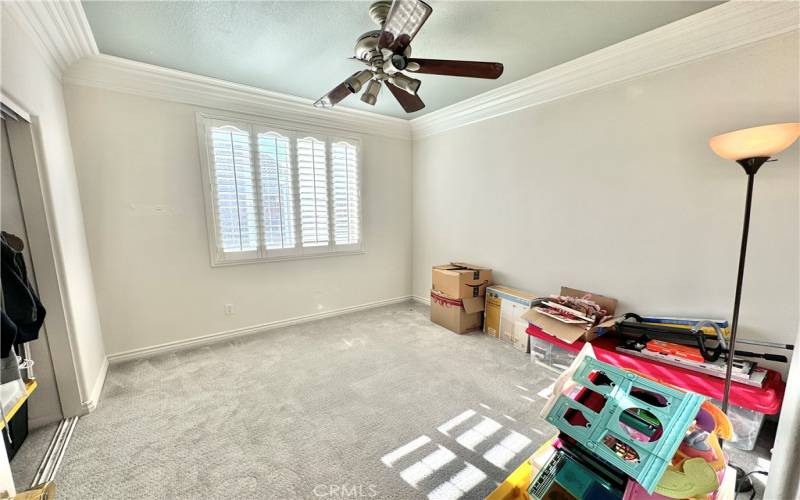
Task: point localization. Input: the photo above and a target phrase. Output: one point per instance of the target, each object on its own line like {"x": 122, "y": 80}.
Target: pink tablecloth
{"x": 765, "y": 399}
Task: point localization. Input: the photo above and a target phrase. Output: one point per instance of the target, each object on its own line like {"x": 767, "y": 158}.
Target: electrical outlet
{"x": 228, "y": 309}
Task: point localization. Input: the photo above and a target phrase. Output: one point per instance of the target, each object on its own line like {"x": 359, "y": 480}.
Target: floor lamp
{"x": 750, "y": 148}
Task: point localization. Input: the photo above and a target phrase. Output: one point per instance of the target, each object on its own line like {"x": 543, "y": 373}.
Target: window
{"x": 275, "y": 194}
{"x": 344, "y": 176}
{"x": 312, "y": 169}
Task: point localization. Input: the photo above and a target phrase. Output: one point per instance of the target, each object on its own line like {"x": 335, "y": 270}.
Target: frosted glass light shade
{"x": 768, "y": 140}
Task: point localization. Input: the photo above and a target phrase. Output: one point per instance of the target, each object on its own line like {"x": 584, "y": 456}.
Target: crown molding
{"x": 64, "y": 38}
{"x": 718, "y": 29}
{"x": 60, "y": 30}
{"x": 66, "y": 41}
{"x": 132, "y": 77}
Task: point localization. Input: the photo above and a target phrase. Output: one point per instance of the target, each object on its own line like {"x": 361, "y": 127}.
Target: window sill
{"x": 263, "y": 260}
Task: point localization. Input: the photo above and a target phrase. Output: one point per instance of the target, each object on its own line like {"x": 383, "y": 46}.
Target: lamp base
{"x": 751, "y": 165}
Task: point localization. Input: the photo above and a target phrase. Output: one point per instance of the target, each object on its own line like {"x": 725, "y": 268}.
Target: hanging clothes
{"x": 9, "y": 372}
{"x": 23, "y": 313}
{"x": 9, "y": 336}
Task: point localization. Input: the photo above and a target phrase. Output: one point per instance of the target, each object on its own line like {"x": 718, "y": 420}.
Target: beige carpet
{"x": 375, "y": 404}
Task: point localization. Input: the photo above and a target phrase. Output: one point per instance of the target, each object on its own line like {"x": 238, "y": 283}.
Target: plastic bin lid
{"x": 765, "y": 399}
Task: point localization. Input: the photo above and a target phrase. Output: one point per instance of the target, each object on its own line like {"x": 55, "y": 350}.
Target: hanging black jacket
{"x": 23, "y": 313}
{"x": 9, "y": 335}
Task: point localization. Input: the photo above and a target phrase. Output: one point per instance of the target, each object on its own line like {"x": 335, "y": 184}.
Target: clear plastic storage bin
{"x": 746, "y": 426}
{"x": 551, "y": 356}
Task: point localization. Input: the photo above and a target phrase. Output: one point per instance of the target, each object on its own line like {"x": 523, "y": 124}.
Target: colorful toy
{"x": 696, "y": 471}
{"x": 643, "y": 442}
{"x": 562, "y": 477}
{"x": 695, "y": 478}
{"x": 722, "y": 425}
{"x": 718, "y": 423}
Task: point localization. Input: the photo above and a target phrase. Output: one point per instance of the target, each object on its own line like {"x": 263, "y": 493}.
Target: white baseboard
{"x": 421, "y": 300}
{"x": 94, "y": 397}
{"x": 179, "y": 345}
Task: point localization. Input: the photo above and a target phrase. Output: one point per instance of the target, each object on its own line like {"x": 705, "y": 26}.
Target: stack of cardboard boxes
{"x": 462, "y": 297}
{"x": 457, "y": 295}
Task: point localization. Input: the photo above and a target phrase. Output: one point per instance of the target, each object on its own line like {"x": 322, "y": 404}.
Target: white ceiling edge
{"x": 60, "y": 30}
{"x": 718, "y": 29}
{"x": 64, "y": 35}
{"x": 123, "y": 75}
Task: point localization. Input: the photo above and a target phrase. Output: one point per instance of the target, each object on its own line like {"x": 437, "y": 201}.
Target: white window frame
{"x": 255, "y": 126}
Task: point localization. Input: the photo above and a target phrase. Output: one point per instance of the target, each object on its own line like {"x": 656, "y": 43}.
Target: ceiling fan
{"x": 387, "y": 53}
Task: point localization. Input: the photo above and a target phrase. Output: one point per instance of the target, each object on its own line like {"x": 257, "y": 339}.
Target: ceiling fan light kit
{"x": 358, "y": 80}
{"x": 370, "y": 96}
{"x": 387, "y": 52}
{"x": 410, "y": 85}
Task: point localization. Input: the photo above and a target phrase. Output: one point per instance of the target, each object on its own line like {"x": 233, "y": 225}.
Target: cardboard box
{"x": 491, "y": 315}
{"x": 459, "y": 280}
{"x": 504, "y": 306}
{"x": 570, "y": 333}
{"x": 456, "y": 314}
{"x": 521, "y": 339}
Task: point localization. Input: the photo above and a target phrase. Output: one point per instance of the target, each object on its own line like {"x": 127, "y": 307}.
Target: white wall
{"x": 154, "y": 281}
{"x": 28, "y": 80}
{"x": 616, "y": 191}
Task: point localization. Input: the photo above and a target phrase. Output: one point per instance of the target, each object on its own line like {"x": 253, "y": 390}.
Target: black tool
{"x": 631, "y": 326}
{"x": 766, "y": 356}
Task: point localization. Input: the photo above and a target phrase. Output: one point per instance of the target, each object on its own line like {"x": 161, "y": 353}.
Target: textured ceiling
{"x": 301, "y": 47}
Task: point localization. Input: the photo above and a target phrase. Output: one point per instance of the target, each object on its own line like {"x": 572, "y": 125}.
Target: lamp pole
{"x": 751, "y": 166}
{"x": 750, "y": 148}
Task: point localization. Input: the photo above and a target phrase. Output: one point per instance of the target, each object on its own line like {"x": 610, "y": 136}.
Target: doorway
{"x": 34, "y": 427}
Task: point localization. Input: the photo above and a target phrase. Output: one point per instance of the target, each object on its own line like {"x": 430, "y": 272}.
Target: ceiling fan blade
{"x": 333, "y": 97}
{"x": 404, "y": 20}
{"x": 470, "y": 69}
{"x": 410, "y": 102}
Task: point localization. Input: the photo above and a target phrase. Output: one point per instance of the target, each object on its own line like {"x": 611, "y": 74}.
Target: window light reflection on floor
{"x": 390, "y": 458}
{"x": 507, "y": 449}
{"x": 486, "y": 430}
{"x": 470, "y": 438}
{"x": 427, "y": 466}
{"x": 461, "y": 483}
{"x": 455, "y": 422}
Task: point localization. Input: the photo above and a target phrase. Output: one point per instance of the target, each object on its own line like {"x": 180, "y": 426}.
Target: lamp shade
{"x": 755, "y": 142}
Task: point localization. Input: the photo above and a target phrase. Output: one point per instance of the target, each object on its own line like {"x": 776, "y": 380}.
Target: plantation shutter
{"x": 313, "y": 192}
{"x": 276, "y": 183}
{"x": 346, "y": 194}
{"x": 275, "y": 193}
{"x": 234, "y": 191}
